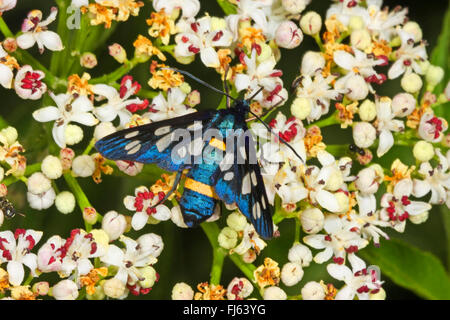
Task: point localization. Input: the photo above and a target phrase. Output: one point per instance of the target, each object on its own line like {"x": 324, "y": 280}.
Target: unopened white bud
{"x": 266, "y": 53}
{"x": 312, "y": 220}
{"x": 343, "y": 201}
{"x": 414, "y": 29}
{"x": 227, "y": 238}
{"x": 423, "y": 151}
{"x": 313, "y": 291}
{"x": 218, "y": 23}
{"x": 364, "y": 134}
{"x": 311, "y": 23}
{"x": 411, "y": 82}
{"x": 88, "y": 60}
{"x": 182, "y": 291}
{"x": 83, "y": 166}
{"x": 288, "y": 35}
{"x": 312, "y": 61}
{"x": 236, "y": 221}
{"x": 274, "y": 293}
{"x": 334, "y": 181}
{"x": 65, "y": 202}
{"x": 380, "y": 295}
{"x": 295, "y": 6}
{"x": 65, "y": 290}
{"x": 52, "y": 167}
{"x": 177, "y": 217}
{"x": 103, "y": 129}
{"x": 301, "y": 254}
{"x": 41, "y": 201}
{"x": 38, "y": 183}
{"x": 367, "y": 181}
{"x": 367, "y": 110}
{"x": 419, "y": 218}
{"x": 10, "y": 133}
{"x": 149, "y": 276}
{"x": 114, "y": 224}
{"x": 361, "y": 39}
{"x": 403, "y": 104}
{"x": 301, "y": 108}
{"x": 291, "y": 273}
{"x": 151, "y": 243}
{"x": 73, "y": 134}
{"x": 114, "y": 288}
{"x": 434, "y": 75}
{"x": 357, "y": 87}
{"x": 355, "y": 23}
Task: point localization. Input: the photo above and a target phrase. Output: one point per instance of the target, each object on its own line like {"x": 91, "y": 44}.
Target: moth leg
{"x": 225, "y": 84}
{"x": 174, "y": 187}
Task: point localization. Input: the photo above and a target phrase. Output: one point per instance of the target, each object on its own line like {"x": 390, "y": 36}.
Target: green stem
{"x": 118, "y": 73}
{"x": 331, "y": 120}
{"x": 32, "y": 168}
{"x": 211, "y": 230}
{"x": 297, "y": 231}
{"x": 63, "y": 31}
{"x": 82, "y": 200}
{"x": 5, "y": 29}
{"x": 318, "y": 41}
{"x": 28, "y": 280}
{"x": 89, "y": 147}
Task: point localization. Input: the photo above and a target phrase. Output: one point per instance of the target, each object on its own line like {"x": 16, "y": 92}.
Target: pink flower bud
{"x": 65, "y": 290}
{"x": 114, "y": 225}
{"x": 90, "y": 215}
{"x": 88, "y": 60}
{"x": 10, "y": 44}
{"x": 118, "y": 52}
{"x": 288, "y": 35}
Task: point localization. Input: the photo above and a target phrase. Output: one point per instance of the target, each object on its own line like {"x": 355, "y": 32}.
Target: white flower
{"x": 432, "y": 128}
{"x": 15, "y": 250}
{"x": 341, "y": 238}
{"x": 66, "y": 110}
{"x": 38, "y": 183}
{"x": 288, "y": 35}
{"x": 114, "y": 288}
{"x": 173, "y": 107}
{"x": 359, "y": 281}
{"x": 291, "y": 273}
{"x": 76, "y": 252}
{"x": 318, "y": 92}
{"x": 364, "y": 134}
{"x": 65, "y": 202}
{"x": 142, "y": 203}
{"x": 403, "y": 104}
{"x": 367, "y": 181}
{"x": 312, "y": 62}
{"x": 28, "y": 83}
{"x": 52, "y": 167}
{"x": 6, "y": 5}
{"x": 200, "y": 36}
{"x": 397, "y": 207}
{"x": 83, "y": 166}
{"x": 436, "y": 180}
{"x": 129, "y": 261}
{"x": 65, "y": 290}
{"x": 189, "y": 8}
{"x": 261, "y": 74}
{"x": 41, "y": 201}
{"x": 119, "y": 102}
{"x": 407, "y": 56}
{"x": 250, "y": 240}
{"x": 385, "y": 124}
{"x": 48, "y": 256}
{"x": 313, "y": 291}
{"x": 35, "y": 31}
{"x": 182, "y": 291}
{"x": 239, "y": 288}
{"x": 114, "y": 224}
{"x": 6, "y": 69}
{"x": 274, "y": 293}
{"x": 301, "y": 254}
{"x": 80, "y": 3}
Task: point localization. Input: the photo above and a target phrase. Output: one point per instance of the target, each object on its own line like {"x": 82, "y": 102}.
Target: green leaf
{"x": 227, "y": 7}
{"x": 411, "y": 268}
{"x": 440, "y": 56}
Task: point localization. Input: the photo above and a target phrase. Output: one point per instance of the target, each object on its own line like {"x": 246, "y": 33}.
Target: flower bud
{"x": 355, "y": 23}
{"x": 291, "y": 273}
{"x": 301, "y": 108}
{"x": 83, "y": 166}
{"x": 266, "y": 53}
{"x": 38, "y": 183}
{"x": 129, "y": 168}
{"x": 239, "y": 289}
{"x": 103, "y": 129}
{"x": 10, "y": 133}
{"x": 249, "y": 256}
{"x": 403, "y": 104}
{"x": 380, "y": 295}
{"x": 313, "y": 291}
{"x": 343, "y": 201}
{"x": 360, "y": 39}
{"x": 274, "y": 293}
{"x": 364, "y": 134}
{"x": 88, "y": 60}
{"x": 357, "y": 87}
{"x": 114, "y": 224}
{"x": 367, "y": 110}
{"x": 65, "y": 202}
{"x": 311, "y": 62}
{"x": 66, "y": 155}
{"x": 193, "y": 98}
{"x": 423, "y": 151}
{"x": 98, "y": 294}
{"x": 414, "y": 29}
{"x": 65, "y": 290}
{"x": 311, "y": 23}
{"x": 367, "y": 181}
{"x": 301, "y": 254}
{"x": 151, "y": 243}
{"x": 10, "y": 45}
{"x": 411, "y": 82}
{"x": 434, "y": 75}
{"x": 227, "y": 238}
{"x": 182, "y": 291}
{"x": 218, "y": 24}
{"x": 419, "y": 218}
{"x": 118, "y": 52}
{"x": 177, "y": 217}
{"x": 114, "y": 288}
{"x": 312, "y": 220}
{"x": 334, "y": 181}
{"x": 52, "y": 167}
{"x": 41, "y": 288}
{"x": 295, "y": 6}
{"x": 90, "y": 215}
{"x": 73, "y": 134}
{"x": 41, "y": 201}
{"x": 236, "y": 221}
{"x": 149, "y": 275}
{"x": 288, "y": 35}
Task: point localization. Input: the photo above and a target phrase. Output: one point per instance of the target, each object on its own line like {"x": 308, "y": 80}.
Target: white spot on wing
{"x": 196, "y": 126}
{"x": 132, "y": 144}
{"x": 246, "y": 187}
{"x": 228, "y": 176}
{"x": 135, "y": 149}
{"x": 162, "y": 130}
{"x": 227, "y": 161}
{"x": 256, "y": 210}
{"x": 131, "y": 134}
{"x": 253, "y": 176}
{"x": 164, "y": 142}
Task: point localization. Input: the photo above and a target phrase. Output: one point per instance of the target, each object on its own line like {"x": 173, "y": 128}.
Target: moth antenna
{"x": 200, "y": 81}
{"x": 281, "y": 139}
{"x": 225, "y": 84}
{"x": 255, "y": 94}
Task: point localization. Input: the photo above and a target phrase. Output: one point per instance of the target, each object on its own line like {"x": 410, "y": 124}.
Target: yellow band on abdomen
{"x": 218, "y": 144}
{"x": 200, "y": 188}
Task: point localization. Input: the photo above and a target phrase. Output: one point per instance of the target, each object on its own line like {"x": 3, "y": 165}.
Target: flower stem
{"x": 82, "y": 200}
{"x": 331, "y": 120}
{"x": 118, "y": 73}
{"x": 211, "y": 230}
{"x": 318, "y": 41}
{"x": 5, "y": 29}
{"x": 32, "y": 168}
{"x": 89, "y": 147}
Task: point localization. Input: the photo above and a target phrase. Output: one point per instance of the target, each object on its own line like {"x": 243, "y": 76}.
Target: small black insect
{"x": 7, "y": 207}
{"x": 355, "y": 148}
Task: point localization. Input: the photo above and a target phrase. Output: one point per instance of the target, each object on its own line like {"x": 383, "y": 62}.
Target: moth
{"x": 218, "y": 160}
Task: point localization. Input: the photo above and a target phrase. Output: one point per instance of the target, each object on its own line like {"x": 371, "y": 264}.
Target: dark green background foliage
{"x": 187, "y": 253}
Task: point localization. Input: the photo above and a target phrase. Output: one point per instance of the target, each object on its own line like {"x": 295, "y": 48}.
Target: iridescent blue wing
{"x": 238, "y": 180}
{"x": 158, "y": 142}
